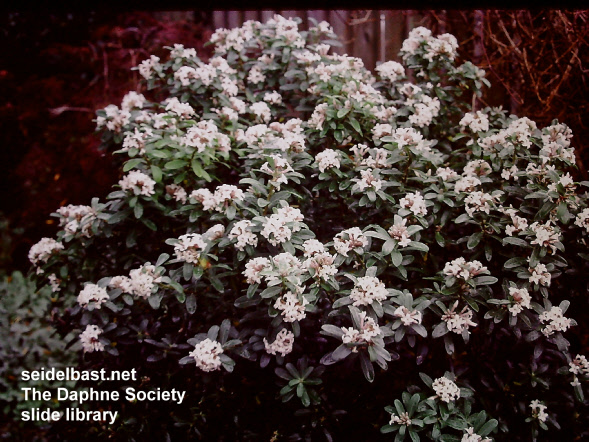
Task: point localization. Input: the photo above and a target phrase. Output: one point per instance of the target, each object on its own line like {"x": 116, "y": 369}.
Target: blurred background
{"x": 57, "y": 68}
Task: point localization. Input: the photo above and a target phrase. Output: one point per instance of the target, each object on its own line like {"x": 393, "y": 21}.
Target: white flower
{"x": 292, "y": 309}
{"x": 458, "y": 322}
{"x": 121, "y": 282}
{"x": 242, "y": 232}
{"x": 521, "y": 299}
{"x": 415, "y": 203}
{"x": 254, "y": 267}
{"x": 138, "y": 182}
{"x": 278, "y": 171}
{"x": 322, "y": 263}
{"x": 446, "y": 390}
{"x": 313, "y": 247}
{"x": 144, "y": 280}
{"x": 478, "y": 202}
{"x": 41, "y": 251}
{"x": 348, "y": 240}
{"x": 538, "y": 410}
{"x": 132, "y": 100}
{"x": 282, "y": 344}
{"x": 466, "y": 184}
{"x": 407, "y": 316}
{"x": 273, "y": 97}
{"x": 255, "y": 75}
{"x": 189, "y": 247}
{"x": 390, "y": 70}
{"x": 369, "y": 329}
{"x": 92, "y": 295}
{"x": 327, "y": 159}
{"x": 261, "y": 110}
{"x": 368, "y": 289}
{"x": 368, "y": 180}
{"x": 460, "y": 268}
{"x": 402, "y": 419}
{"x": 446, "y": 173}
{"x": 519, "y": 224}
{"x": 477, "y": 168}
{"x": 554, "y": 321}
{"x": 183, "y": 110}
{"x": 582, "y": 219}
{"x": 540, "y": 275}
{"x": 546, "y": 235}
{"x": 207, "y": 355}
{"x": 471, "y": 436}
{"x": 400, "y": 232}
{"x": 476, "y": 122}
{"x": 147, "y": 67}
{"x": 89, "y": 339}
{"x": 318, "y": 117}
{"x": 177, "y": 192}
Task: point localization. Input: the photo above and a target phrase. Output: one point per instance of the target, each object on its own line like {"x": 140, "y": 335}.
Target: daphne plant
{"x": 361, "y": 224}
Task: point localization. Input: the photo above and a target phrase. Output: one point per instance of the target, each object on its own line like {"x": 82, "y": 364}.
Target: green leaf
{"x": 474, "y": 240}
{"x": 156, "y": 172}
{"x": 131, "y": 164}
{"x": 191, "y": 304}
{"x": 175, "y": 164}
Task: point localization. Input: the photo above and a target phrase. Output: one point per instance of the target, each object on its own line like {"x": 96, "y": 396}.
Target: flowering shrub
{"x": 282, "y": 210}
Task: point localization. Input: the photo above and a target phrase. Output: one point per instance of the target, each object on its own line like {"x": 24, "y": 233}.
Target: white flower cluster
{"x": 391, "y": 71}
{"x": 400, "y": 232}
{"x": 540, "y": 275}
{"x": 425, "y": 111}
{"x": 206, "y": 134}
{"x": 478, "y": 202}
{"x": 133, "y": 100}
{"x": 207, "y": 355}
{"x": 446, "y": 173}
{"x": 368, "y": 180}
{"x": 578, "y": 366}
{"x": 319, "y": 259}
{"x": 420, "y": 37}
{"x": 368, "y": 330}
{"x": 546, "y": 235}
{"x": 518, "y": 224}
{"x": 261, "y": 110}
{"x": 137, "y": 139}
{"x": 446, "y": 390}
{"x": 282, "y": 344}
{"x": 415, "y": 203}
{"x": 76, "y": 219}
{"x": 407, "y": 136}
{"x": 222, "y": 198}
{"x": 242, "y": 232}
{"x": 407, "y": 316}
{"x": 253, "y": 269}
{"x": 115, "y": 118}
{"x": 138, "y": 182}
{"x": 467, "y": 184}
{"x": 475, "y": 121}
{"x": 280, "y": 168}
{"x": 140, "y": 282}
{"x": 182, "y": 110}
{"x": 318, "y": 116}
{"x": 460, "y": 268}
{"x": 519, "y": 132}
{"x": 348, "y": 240}
{"x": 471, "y": 436}
{"x": 189, "y": 247}
{"x": 538, "y": 410}
{"x": 41, "y": 251}
{"x": 554, "y": 321}
{"x": 177, "y": 192}
{"x": 327, "y": 159}
{"x": 149, "y": 66}
{"x": 521, "y": 299}
{"x": 276, "y": 227}
{"x": 89, "y": 339}
{"x": 92, "y": 295}
{"x": 291, "y": 307}
{"x": 402, "y": 419}
{"x": 556, "y": 144}
{"x": 368, "y": 289}
{"x": 458, "y": 322}
{"x": 276, "y": 136}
